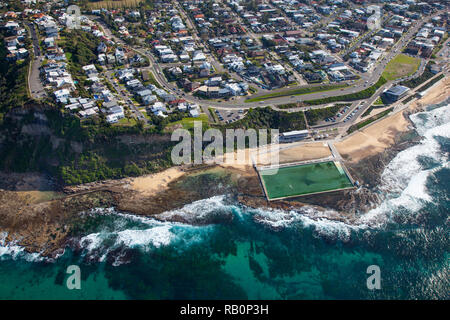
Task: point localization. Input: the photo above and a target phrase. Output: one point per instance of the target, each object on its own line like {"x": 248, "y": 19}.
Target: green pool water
{"x": 304, "y": 179}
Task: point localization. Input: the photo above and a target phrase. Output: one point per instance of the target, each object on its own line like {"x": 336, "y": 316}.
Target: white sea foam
{"x": 404, "y": 178}
{"x": 157, "y": 236}
{"x": 403, "y": 182}
{"x": 14, "y": 251}
{"x": 324, "y": 223}
{"x": 197, "y": 210}
{"x": 148, "y": 235}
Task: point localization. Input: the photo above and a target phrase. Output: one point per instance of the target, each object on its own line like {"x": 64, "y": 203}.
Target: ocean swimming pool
{"x": 304, "y": 179}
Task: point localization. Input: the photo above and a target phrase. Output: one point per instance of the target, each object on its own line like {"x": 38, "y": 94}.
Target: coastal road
{"x": 367, "y": 80}
{"x": 239, "y": 101}
{"x": 34, "y": 82}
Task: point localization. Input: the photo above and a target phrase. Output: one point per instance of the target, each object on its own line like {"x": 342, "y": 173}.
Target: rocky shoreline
{"x": 46, "y": 227}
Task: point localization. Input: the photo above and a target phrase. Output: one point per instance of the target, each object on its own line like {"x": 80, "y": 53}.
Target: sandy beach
{"x": 381, "y": 135}
{"x": 153, "y": 183}
{"x": 309, "y": 151}
{"x": 436, "y": 94}
{"x": 370, "y": 141}
{"x": 373, "y": 139}
{"x": 32, "y": 199}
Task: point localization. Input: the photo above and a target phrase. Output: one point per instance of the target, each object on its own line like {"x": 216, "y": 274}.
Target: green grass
{"x": 372, "y": 107}
{"x": 401, "y": 66}
{"x": 364, "y": 94}
{"x": 313, "y": 116}
{"x": 414, "y": 82}
{"x": 252, "y": 89}
{"x": 188, "y": 123}
{"x": 213, "y": 115}
{"x": 297, "y": 92}
{"x": 126, "y": 122}
{"x": 152, "y": 80}
{"x": 378, "y": 102}
{"x": 263, "y": 118}
{"x": 304, "y": 179}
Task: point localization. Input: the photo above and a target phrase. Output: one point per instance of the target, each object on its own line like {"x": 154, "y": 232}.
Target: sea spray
{"x": 266, "y": 253}
{"x": 404, "y": 179}
{"x": 14, "y": 251}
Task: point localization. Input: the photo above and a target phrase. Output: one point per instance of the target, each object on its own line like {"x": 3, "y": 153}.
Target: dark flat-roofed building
{"x": 395, "y": 93}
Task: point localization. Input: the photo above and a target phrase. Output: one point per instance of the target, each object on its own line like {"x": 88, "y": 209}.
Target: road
{"x": 126, "y": 95}
{"x": 366, "y": 80}
{"x": 34, "y": 82}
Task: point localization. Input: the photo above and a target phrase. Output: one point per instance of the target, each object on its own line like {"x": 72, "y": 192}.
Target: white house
{"x": 198, "y": 56}
{"x": 115, "y": 113}
{"x": 62, "y": 95}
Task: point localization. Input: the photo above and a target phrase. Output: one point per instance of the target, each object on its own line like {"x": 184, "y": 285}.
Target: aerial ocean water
{"x": 265, "y": 254}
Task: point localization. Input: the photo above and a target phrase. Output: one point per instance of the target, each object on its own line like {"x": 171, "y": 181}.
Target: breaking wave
{"x": 404, "y": 187}
{"x": 13, "y": 251}
{"x": 144, "y": 233}
{"x": 404, "y": 180}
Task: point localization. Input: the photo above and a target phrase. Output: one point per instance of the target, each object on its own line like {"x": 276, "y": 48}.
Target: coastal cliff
{"x": 44, "y": 221}
{"x": 47, "y": 226}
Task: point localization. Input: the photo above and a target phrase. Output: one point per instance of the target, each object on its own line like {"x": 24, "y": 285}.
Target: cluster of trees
{"x": 414, "y": 82}
{"x": 86, "y": 151}
{"x": 364, "y": 123}
{"x": 429, "y": 84}
{"x": 160, "y": 123}
{"x": 251, "y": 5}
{"x": 315, "y": 115}
{"x": 109, "y": 20}
{"x": 82, "y": 46}
{"x": 151, "y": 79}
{"x": 364, "y": 94}
{"x": 261, "y": 118}
{"x": 113, "y": 158}
{"x": 290, "y": 105}
{"x": 29, "y": 154}
{"x": 13, "y": 81}
{"x": 93, "y": 167}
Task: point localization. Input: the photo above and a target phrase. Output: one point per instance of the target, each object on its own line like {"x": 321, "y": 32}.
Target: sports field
{"x": 304, "y": 179}
{"x": 401, "y": 66}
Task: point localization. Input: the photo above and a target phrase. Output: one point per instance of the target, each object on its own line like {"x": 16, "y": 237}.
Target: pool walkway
{"x": 334, "y": 151}
{"x": 339, "y": 159}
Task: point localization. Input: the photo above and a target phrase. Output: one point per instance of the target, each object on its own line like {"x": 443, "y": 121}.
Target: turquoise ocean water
{"x": 266, "y": 254}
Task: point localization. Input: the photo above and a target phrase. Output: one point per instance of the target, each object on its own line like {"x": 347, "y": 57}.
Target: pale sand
{"x": 372, "y": 140}
{"x": 36, "y": 196}
{"x": 438, "y": 93}
{"x": 381, "y": 135}
{"x": 153, "y": 183}
{"x": 307, "y": 151}
{"x": 310, "y": 151}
